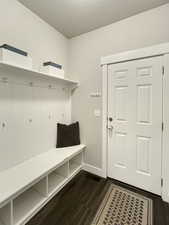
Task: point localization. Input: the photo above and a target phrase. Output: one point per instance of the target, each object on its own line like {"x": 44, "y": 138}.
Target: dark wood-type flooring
{"x": 77, "y": 203}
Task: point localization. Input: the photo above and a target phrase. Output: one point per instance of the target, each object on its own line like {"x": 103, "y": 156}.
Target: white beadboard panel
{"x": 24, "y": 110}
{"x": 28, "y": 118}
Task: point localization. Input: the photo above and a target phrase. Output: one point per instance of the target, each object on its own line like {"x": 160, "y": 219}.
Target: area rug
{"x": 123, "y": 207}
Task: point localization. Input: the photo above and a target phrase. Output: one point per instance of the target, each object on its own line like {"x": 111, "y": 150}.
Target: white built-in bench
{"x": 27, "y": 187}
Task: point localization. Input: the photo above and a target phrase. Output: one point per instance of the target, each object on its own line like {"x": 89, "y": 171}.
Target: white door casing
{"x": 134, "y": 136}
{"x": 165, "y": 164}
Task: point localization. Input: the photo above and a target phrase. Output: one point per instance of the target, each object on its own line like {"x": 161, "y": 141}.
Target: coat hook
{"x": 3, "y": 125}
{"x": 30, "y": 120}
{"x": 66, "y": 89}
{"x": 5, "y": 79}
{"x": 50, "y": 116}
{"x": 31, "y": 84}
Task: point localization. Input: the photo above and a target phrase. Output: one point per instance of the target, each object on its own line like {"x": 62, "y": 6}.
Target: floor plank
{"x": 78, "y": 202}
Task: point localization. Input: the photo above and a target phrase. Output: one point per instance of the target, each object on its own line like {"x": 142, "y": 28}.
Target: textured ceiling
{"x": 75, "y": 17}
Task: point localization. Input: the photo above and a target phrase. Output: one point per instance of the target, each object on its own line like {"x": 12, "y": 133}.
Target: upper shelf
{"x": 8, "y": 68}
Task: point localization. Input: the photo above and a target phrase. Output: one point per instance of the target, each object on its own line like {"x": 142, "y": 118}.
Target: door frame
{"x": 156, "y": 50}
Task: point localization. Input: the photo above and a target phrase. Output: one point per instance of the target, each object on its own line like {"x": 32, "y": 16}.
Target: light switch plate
{"x": 97, "y": 112}
{"x": 95, "y": 94}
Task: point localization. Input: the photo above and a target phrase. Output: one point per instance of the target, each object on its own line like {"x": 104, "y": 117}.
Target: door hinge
{"x": 162, "y": 126}
{"x": 163, "y": 70}
{"x": 162, "y": 182}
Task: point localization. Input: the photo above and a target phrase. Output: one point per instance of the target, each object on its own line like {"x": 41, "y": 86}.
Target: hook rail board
{"x": 11, "y": 69}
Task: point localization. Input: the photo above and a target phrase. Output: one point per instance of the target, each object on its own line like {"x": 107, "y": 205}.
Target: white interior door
{"x": 135, "y": 123}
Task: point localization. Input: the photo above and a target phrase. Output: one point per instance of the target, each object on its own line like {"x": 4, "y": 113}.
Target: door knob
{"x": 110, "y": 119}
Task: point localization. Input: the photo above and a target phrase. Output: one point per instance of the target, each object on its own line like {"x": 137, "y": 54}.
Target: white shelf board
{"x": 27, "y": 173}
{"x": 55, "y": 181}
{"x": 26, "y": 204}
{"x": 23, "y": 71}
{"x": 70, "y": 152}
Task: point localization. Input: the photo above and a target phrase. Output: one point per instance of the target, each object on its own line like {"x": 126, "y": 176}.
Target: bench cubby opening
{"x": 57, "y": 177}
{"x": 75, "y": 163}
{"x": 6, "y": 215}
{"x": 27, "y": 202}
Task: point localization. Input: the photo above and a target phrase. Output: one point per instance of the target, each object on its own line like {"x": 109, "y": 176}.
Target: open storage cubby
{"x": 26, "y": 203}
{"x": 6, "y": 215}
{"x": 75, "y": 163}
{"x": 57, "y": 177}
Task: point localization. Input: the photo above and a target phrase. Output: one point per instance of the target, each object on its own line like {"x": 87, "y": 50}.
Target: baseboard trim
{"x": 165, "y": 197}
{"x": 94, "y": 170}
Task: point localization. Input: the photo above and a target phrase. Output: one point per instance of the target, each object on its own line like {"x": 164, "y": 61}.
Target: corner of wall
{"x": 94, "y": 170}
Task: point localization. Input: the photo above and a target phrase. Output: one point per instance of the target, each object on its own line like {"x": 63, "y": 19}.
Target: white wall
{"x": 23, "y": 29}
{"x": 139, "y": 31}
{"x": 22, "y": 139}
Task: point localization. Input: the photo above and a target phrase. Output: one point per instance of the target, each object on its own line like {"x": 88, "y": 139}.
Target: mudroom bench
{"x": 27, "y": 187}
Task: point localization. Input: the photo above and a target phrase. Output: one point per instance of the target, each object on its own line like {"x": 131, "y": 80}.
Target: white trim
{"x": 165, "y": 152}
{"x": 104, "y": 118}
{"x": 165, "y": 197}
{"x": 155, "y": 50}
{"x": 94, "y": 170}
